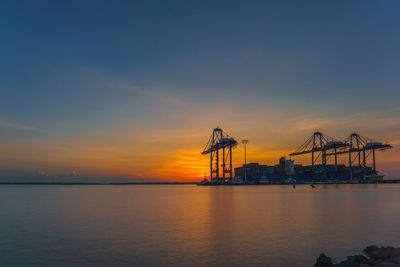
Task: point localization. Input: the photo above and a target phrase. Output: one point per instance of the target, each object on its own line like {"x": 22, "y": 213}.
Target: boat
{"x": 373, "y": 177}
{"x": 290, "y": 180}
{"x": 236, "y": 181}
{"x": 263, "y": 180}
{"x": 204, "y": 181}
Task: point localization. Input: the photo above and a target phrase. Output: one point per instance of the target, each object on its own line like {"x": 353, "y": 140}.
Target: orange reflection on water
{"x": 186, "y": 225}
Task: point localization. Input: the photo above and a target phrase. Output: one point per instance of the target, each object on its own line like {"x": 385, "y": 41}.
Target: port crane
{"x": 321, "y": 146}
{"x": 357, "y": 145}
{"x": 318, "y": 145}
{"x": 218, "y": 142}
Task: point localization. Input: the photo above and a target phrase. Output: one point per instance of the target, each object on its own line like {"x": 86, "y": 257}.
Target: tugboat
{"x": 290, "y": 180}
{"x": 373, "y": 177}
{"x": 204, "y": 181}
{"x": 263, "y": 180}
{"x": 236, "y": 181}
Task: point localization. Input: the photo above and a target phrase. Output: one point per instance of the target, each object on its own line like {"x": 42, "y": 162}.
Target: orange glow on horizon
{"x": 172, "y": 152}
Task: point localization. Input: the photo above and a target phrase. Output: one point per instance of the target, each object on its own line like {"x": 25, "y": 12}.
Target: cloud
{"x": 127, "y": 87}
{"x": 18, "y": 126}
{"x": 94, "y": 79}
{"x": 184, "y": 165}
{"x": 43, "y": 173}
{"x": 72, "y": 174}
{"x": 169, "y": 147}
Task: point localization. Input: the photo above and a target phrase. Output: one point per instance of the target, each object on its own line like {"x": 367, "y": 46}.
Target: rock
{"x": 383, "y": 253}
{"x": 378, "y": 257}
{"x": 323, "y": 261}
{"x": 347, "y": 263}
{"x": 360, "y": 259}
{"x": 396, "y": 257}
{"x": 384, "y": 263}
{"x": 368, "y": 250}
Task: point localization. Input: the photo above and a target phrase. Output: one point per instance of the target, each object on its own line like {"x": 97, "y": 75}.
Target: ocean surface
{"x": 189, "y": 225}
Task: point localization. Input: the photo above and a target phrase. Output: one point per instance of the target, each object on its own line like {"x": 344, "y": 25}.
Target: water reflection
{"x": 191, "y": 225}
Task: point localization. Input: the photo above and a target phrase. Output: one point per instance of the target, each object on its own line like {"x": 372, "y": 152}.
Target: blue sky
{"x": 81, "y": 68}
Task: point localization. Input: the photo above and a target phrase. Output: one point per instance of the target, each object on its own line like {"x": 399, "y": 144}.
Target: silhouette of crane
{"x": 220, "y": 142}
{"x": 322, "y": 146}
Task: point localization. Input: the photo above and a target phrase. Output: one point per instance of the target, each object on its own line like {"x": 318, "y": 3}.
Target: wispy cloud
{"x": 43, "y": 173}
{"x": 169, "y": 147}
{"x": 97, "y": 79}
{"x": 18, "y": 126}
{"x": 72, "y": 174}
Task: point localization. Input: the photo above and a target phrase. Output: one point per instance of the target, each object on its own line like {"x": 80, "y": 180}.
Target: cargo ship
{"x": 287, "y": 170}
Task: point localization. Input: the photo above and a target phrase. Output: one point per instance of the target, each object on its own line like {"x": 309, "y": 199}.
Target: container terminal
{"x": 359, "y": 152}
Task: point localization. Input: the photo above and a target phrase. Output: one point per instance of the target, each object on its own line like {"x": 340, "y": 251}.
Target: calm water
{"x": 191, "y": 225}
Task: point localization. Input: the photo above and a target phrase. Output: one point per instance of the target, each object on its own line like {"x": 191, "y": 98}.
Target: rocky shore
{"x": 372, "y": 256}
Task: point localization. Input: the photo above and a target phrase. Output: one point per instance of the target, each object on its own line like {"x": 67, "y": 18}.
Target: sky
{"x": 131, "y": 90}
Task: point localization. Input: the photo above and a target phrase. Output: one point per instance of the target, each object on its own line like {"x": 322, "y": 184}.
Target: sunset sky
{"x": 130, "y": 91}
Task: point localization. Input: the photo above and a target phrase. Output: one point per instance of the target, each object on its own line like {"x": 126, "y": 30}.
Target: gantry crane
{"x": 355, "y": 144}
{"x": 318, "y": 145}
{"x": 325, "y": 147}
{"x": 220, "y": 141}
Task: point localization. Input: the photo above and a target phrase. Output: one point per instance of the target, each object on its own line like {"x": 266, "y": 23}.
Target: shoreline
{"x": 95, "y": 183}
{"x": 396, "y": 181}
{"x": 392, "y": 181}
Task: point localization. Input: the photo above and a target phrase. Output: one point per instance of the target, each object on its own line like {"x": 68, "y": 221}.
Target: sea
{"x": 189, "y": 225}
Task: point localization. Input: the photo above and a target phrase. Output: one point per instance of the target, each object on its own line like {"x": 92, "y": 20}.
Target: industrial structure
{"x": 320, "y": 146}
{"x": 324, "y": 151}
{"x": 220, "y": 143}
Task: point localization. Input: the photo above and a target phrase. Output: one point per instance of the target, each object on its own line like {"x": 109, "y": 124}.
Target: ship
{"x": 286, "y": 172}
